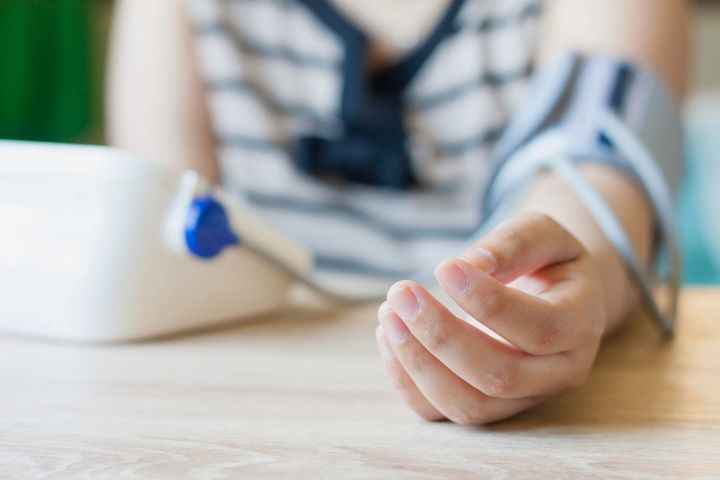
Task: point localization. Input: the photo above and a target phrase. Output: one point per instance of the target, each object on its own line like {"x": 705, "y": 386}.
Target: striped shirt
{"x": 278, "y": 71}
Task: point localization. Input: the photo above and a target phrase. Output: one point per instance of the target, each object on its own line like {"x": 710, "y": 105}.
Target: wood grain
{"x": 303, "y": 396}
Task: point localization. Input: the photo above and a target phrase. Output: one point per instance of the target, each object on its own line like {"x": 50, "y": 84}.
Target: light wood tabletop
{"x": 304, "y": 396}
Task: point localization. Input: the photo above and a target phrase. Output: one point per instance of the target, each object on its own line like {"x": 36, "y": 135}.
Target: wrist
{"x": 619, "y": 291}
{"x": 551, "y": 195}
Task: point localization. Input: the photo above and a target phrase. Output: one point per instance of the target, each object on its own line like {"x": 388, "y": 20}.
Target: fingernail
{"x": 482, "y": 259}
{"x": 395, "y": 329}
{"x": 403, "y": 302}
{"x": 453, "y": 278}
{"x": 386, "y": 352}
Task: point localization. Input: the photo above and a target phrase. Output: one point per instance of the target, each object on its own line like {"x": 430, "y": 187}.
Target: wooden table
{"x": 304, "y": 396}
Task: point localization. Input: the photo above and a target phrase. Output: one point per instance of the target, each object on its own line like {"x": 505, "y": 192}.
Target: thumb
{"x": 522, "y": 245}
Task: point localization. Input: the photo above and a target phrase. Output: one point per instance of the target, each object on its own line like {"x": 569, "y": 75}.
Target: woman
{"x": 372, "y": 122}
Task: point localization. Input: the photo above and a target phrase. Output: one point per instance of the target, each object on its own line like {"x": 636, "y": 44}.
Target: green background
{"x": 46, "y": 70}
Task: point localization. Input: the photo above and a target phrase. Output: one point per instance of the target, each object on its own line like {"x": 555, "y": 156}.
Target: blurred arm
{"x": 653, "y": 32}
{"x": 155, "y": 103}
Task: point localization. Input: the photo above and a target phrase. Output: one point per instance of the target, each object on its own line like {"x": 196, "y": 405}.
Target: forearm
{"x": 642, "y": 31}
{"x": 552, "y": 195}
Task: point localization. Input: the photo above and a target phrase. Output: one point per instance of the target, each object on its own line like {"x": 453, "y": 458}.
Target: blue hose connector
{"x": 207, "y": 228}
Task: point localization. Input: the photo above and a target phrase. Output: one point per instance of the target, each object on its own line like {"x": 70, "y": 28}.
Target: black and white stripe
{"x": 274, "y": 70}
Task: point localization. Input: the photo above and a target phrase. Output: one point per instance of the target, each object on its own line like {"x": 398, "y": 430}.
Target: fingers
{"x": 522, "y": 245}
{"x": 530, "y": 323}
{"x": 496, "y": 369}
{"x": 454, "y": 398}
{"x": 402, "y": 381}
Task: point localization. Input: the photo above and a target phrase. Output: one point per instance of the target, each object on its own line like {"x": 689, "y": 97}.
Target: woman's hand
{"x": 529, "y": 281}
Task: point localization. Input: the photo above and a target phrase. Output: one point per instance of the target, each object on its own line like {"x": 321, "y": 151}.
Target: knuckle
{"x": 412, "y": 360}
{"x": 514, "y": 240}
{"x": 562, "y": 233}
{"x": 438, "y": 339}
{"x": 546, "y": 335}
{"x": 540, "y": 218}
{"x": 501, "y": 381}
{"x": 402, "y": 383}
{"x": 551, "y": 225}
{"x": 533, "y": 221}
{"x": 489, "y": 304}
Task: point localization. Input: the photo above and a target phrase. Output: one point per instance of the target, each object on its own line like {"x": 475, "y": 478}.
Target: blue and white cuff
{"x": 606, "y": 111}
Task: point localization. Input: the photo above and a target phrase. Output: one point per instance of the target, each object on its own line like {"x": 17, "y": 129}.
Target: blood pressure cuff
{"x": 607, "y": 111}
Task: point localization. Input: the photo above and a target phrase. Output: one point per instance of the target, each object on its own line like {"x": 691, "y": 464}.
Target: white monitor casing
{"x": 91, "y": 249}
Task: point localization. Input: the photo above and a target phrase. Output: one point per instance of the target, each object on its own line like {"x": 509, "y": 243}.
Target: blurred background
{"x": 52, "y": 57}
